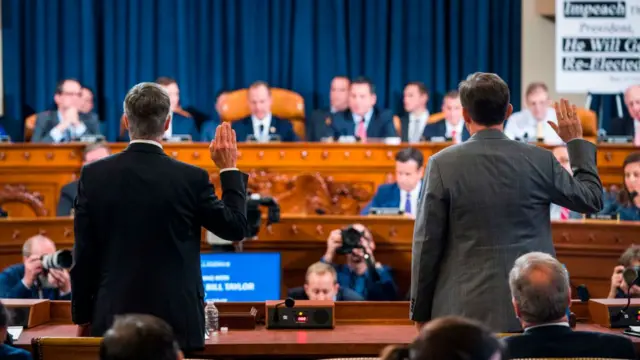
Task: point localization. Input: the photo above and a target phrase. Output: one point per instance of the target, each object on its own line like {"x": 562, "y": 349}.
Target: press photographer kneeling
{"x": 630, "y": 259}
{"x": 361, "y": 273}
{"x": 42, "y": 275}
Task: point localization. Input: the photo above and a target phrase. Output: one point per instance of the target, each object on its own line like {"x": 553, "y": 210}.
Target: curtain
{"x": 209, "y": 45}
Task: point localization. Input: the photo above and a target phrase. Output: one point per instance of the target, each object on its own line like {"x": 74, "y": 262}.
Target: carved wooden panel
{"x": 16, "y": 199}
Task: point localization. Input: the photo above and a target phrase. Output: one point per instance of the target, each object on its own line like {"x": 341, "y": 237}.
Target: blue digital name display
{"x": 241, "y": 276}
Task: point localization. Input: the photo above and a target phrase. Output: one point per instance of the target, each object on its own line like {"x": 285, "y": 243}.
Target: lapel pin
{"x": 272, "y": 129}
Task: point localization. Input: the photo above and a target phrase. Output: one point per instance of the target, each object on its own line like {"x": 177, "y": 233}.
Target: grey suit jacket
{"x": 486, "y": 202}
{"x": 47, "y": 120}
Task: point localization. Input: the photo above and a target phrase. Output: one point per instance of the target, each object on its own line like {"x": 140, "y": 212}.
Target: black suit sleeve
{"x": 85, "y": 272}
{"x": 65, "y": 203}
{"x": 93, "y": 124}
{"x": 227, "y": 218}
{"x": 581, "y": 192}
{"x": 41, "y": 130}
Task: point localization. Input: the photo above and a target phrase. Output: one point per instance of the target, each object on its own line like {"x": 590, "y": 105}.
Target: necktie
{"x": 540, "y": 130}
{"x": 362, "y": 131}
{"x": 454, "y": 136}
{"x": 260, "y": 136}
{"x": 564, "y": 214}
{"x": 415, "y": 132}
{"x": 407, "y": 204}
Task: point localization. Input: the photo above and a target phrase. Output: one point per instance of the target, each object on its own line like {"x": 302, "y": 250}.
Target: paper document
{"x": 15, "y": 331}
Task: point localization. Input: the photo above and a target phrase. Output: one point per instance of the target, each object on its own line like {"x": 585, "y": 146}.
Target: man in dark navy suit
{"x": 262, "y": 126}
{"x": 412, "y": 124}
{"x": 208, "y": 128}
{"x": 452, "y": 127}
{"x": 321, "y": 283}
{"x": 629, "y": 125}
{"x": 541, "y": 293}
{"x": 405, "y": 192}
{"x": 181, "y": 123}
{"x": 363, "y": 119}
{"x": 338, "y": 100}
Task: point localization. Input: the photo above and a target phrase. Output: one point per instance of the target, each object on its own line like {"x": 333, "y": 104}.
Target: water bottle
{"x": 211, "y": 324}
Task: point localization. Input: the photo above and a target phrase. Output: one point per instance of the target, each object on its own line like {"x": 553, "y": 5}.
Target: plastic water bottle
{"x": 211, "y": 324}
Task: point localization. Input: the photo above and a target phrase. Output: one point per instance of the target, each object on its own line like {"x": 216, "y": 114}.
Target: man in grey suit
{"x": 486, "y": 202}
{"x": 66, "y": 123}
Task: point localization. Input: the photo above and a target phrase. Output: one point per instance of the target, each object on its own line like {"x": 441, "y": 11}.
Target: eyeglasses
{"x": 71, "y": 93}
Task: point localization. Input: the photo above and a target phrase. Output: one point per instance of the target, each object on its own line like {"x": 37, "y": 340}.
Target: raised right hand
{"x": 569, "y": 126}
{"x": 32, "y": 268}
{"x": 223, "y": 148}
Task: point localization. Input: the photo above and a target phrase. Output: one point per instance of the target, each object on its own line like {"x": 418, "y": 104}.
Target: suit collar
{"x": 489, "y": 134}
{"x": 147, "y": 146}
{"x": 549, "y": 329}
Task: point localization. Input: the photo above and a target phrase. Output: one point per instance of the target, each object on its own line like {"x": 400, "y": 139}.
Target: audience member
{"x": 68, "y": 122}
{"x": 86, "y": 100}
{"x": 531, "y": 124}
{"x": 627, "y": 202}
{"x": 91, "y": 153}
{"x": 629, "y": 125}
{"x": 405, "y": 192}
{"x": 139, "y": 337}
{"x": 321, "y": 283}
{"x": 356, "y": 274}
{"x": 412, "y": 124}
{"x": 338, "y": 101}
{"x": 452, "y": 127}
{"x": 541, "y": 294}
{"x": 8, "y": 352}
{"x": 362, "y": 119}
{"x": 629, "y": 259}
{"x": 558, "y": 212}
{"x": 262, "y": 126}
{"x": 29, "y": 280}
{"x": 449, "y": 338}
{"x": 208, "y": 128}
{"x": 181, "y": 121}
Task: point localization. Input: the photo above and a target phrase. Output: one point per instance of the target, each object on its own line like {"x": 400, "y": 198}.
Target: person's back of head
{"x": 146, "y": 108}
{"x": 485, "y": 100}
{"x": 139, "y": 337}
{"x": 450, "y": 338}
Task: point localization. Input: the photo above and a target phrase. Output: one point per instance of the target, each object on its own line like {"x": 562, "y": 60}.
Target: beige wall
{"x": 538, "y": 52}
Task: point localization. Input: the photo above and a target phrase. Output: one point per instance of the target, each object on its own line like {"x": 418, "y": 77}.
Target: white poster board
{"x": 597, "y": 45}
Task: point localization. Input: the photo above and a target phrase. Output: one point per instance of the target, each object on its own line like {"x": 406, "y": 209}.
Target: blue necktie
{"x": 407, "y": 204}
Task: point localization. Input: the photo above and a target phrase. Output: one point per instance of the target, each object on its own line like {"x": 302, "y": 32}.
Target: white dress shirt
{"x": 523, "y": 122}
{"x": 416, "y": 126}
{"x": 367, "y": 119}
{"x": 261, "y": 136}
{"x": 415, "y": 195}
{"x": 636, "y": 132}
{"x": 168, "y": 133}
{"x": 563, "y": 323}
{"x": 451, "y": 128}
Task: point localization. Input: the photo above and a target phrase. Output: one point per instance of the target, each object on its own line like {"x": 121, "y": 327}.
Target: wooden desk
{"x": 335, "y": 178}
{"x": 589, "y": 249}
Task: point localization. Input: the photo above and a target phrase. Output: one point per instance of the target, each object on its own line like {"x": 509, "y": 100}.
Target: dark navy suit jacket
{"x": 439, "y": 129}
{"x": 208, "y": 129}
{"x": 67, "y": 195}
{"x": 344, "y": 294}
{"x": 280, "y": 127}
{"x": 622, "y": 127}
{"x": 380, "y": 125}
{"x": 180, "y": 125}
{"x": 10, "y": 353}
{"x": 11, "y": 286}
{"x": 387, "y": 196}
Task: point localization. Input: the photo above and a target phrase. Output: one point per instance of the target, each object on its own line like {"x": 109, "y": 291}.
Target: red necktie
{"x": 362, "y": 131}
{"x": 564, "y": 214}
{"x": 454, "y": 138}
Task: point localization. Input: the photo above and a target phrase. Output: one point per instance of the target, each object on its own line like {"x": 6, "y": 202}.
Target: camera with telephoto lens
{"x": 61, "y": 259}
{"x": 254, "y": 216}
{"x": 350, "y": 240}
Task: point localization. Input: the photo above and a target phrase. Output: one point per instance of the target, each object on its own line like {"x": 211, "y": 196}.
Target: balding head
{"x": 632, "y": 100}
{"x": 139, "y": 337}
{"x": 539, "y": 288}
{"x": 38, "y": 245}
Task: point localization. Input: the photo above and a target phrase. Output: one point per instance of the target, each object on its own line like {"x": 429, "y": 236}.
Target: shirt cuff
{"x": 56, "y": 135}
{"x": 25, "y": 285}
{"x": 229, "y": 169}
{"x": 80, "y": 129}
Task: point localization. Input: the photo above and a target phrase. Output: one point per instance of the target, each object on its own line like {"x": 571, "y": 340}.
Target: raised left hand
{"x": 60, "y": 278}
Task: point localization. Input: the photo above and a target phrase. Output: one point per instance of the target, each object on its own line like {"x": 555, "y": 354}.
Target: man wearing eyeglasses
{"x": 67, "y": 123}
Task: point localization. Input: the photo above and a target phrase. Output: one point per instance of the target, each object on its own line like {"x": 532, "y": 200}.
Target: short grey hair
{"x": 486, "y": 98}
{"x": 147, "y": 107}
{"x": 540, "y": 288}
{"x": 27, "y": 247}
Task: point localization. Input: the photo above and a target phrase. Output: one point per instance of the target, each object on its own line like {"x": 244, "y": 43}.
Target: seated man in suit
{"x": 629, "y": 125}
{"x": 321, "y": 283}
{"x": 415, "y": 97}
{"x": 452, "y": 127}
{"x": 541, "y": 294}
{"x": 68, "y": 122}
{"x": 532, "y": 124}
{"x": 29, "y": 280}
{"x": 405, "y": 192}
{"x": 180, "y": 124}
{"x": 363, "y": 119}
{"x": 8, "y": 352}
{"x": 92, "y": 152}
{"x": 208, "y": 128}
{"x": 262, "y": 126}
{"x": 338, "y": 101}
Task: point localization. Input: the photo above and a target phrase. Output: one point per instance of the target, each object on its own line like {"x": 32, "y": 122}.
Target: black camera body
{"x": 350, "y": 240}
{"x": 254, "y": 216}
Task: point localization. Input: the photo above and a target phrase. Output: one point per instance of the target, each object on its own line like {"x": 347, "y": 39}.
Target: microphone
{"x": 289, "y": 303}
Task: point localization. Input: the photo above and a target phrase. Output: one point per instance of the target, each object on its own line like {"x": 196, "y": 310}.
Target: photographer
{"x": 29, "y": 280}
{"x": 629, "y": 259}
{"x": 357, "y": 274}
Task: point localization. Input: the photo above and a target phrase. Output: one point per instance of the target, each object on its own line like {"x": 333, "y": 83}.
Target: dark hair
{"x": 365, "y": 81}
{"x": 61, "y": 83}
{"x": 485, "y": 96}
{"x": 630, "y": 255}
{"x": 535, "y": 86}
{"x": 624, "y": 197}
{"x": 4, "y": 316}
{"x": 451, "y": 338}
{"x": 94, "y": 146}
{"x": 165, "y": 81}
{"x": 260, "y": 83}
{"x": 407, "y": 154}
{"x": 453, "y": 94}
{"x": 139, "y": 337}
{"x": 422, "y": 88}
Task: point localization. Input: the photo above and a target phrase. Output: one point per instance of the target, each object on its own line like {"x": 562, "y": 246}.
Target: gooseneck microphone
{"x": 289, "y": 303}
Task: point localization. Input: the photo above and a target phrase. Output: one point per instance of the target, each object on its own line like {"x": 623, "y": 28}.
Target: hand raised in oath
{"x": 569, "y": 126}
{"x": 223, "y": 148}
